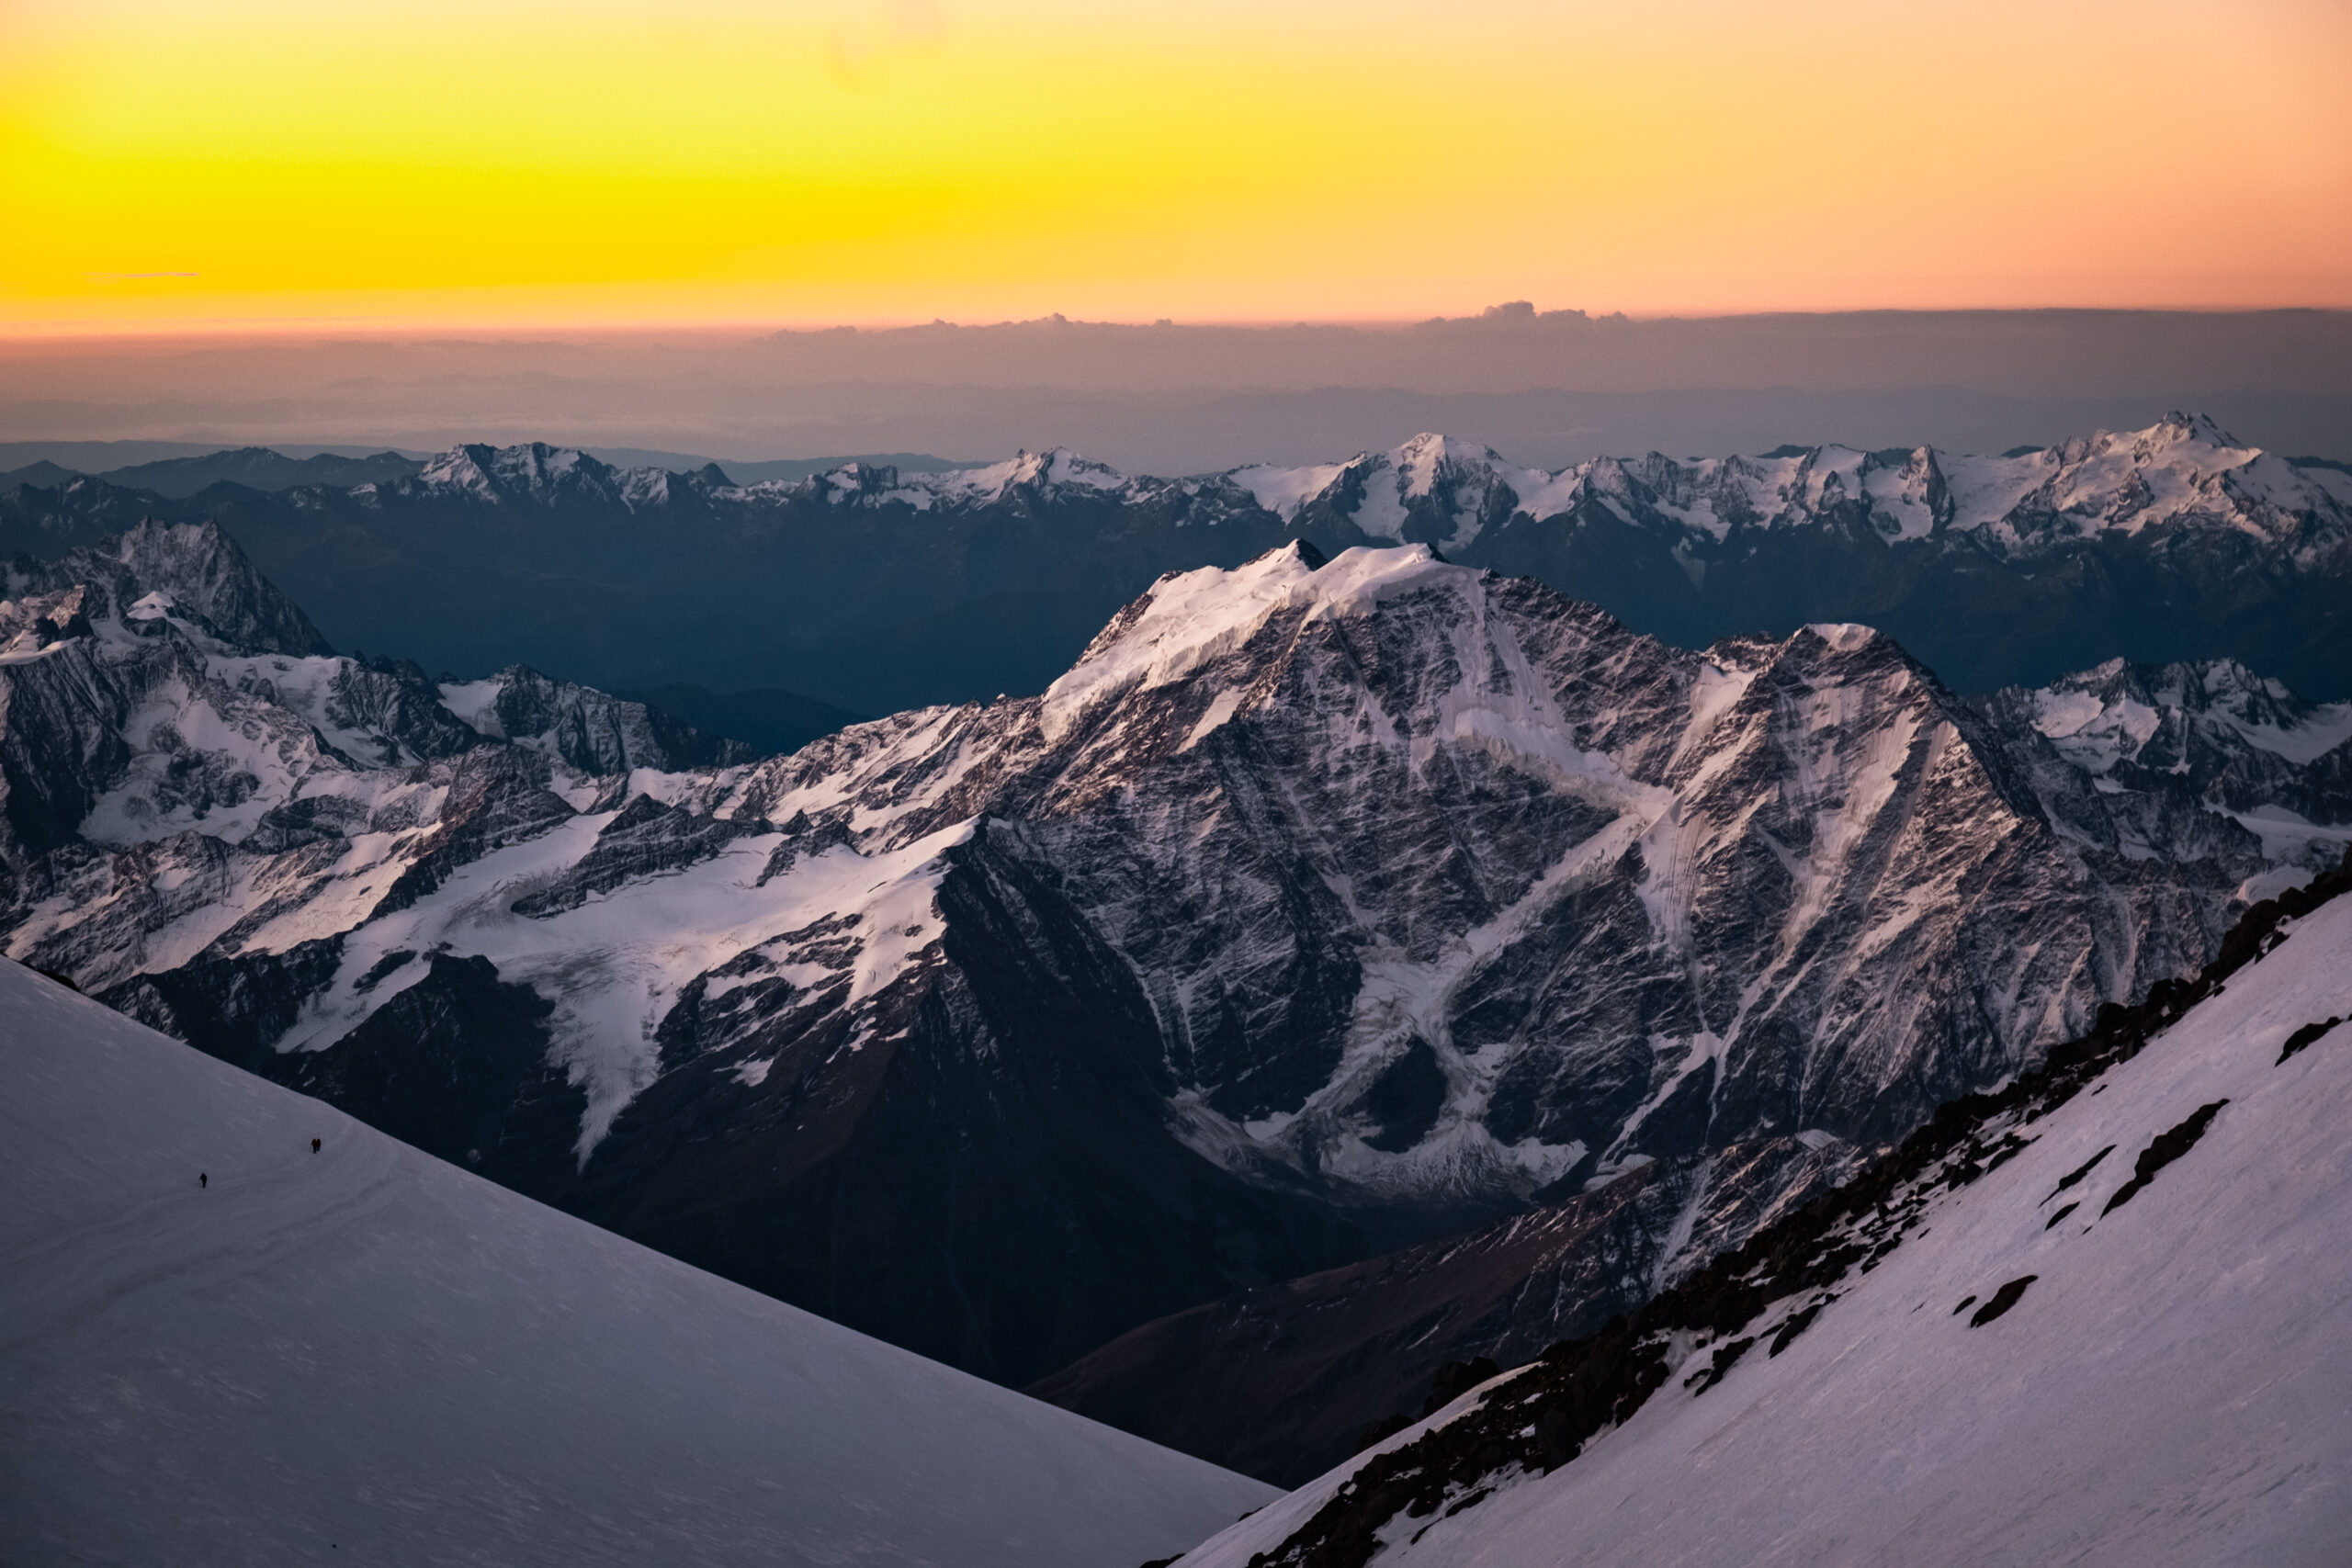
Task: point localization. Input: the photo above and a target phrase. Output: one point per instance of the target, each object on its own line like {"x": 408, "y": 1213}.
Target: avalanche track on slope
{"x": 365, "y": 1355}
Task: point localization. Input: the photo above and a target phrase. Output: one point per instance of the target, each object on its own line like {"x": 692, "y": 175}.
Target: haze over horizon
{"x": 1542, "y": 386}
{"x": 1179, "y": 237}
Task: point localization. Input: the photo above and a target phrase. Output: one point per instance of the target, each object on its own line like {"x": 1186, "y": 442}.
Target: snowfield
{"x": 366, "y": 1356}
{"x": 2170, "y": 1388}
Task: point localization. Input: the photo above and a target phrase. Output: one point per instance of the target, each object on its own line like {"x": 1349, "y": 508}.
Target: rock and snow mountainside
{"x": 877, "y": 589}
{"x": 2216, "y": 734}
{"x": 2097, "y": 1317}
{"x": 1286, "y": 1381}
{"x": 1282, "y": 1380}
{"x": 365, "y": 1356}
{"x": 1319, "y": 909}
{"x": 161, "y": 671}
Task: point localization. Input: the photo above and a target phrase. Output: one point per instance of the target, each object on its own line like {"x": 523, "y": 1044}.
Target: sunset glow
{"x": 257, "y": 161}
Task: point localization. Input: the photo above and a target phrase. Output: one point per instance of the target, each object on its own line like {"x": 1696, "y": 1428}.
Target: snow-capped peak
{"x": 1039, "y": 473}
{"x": 1420, "y": 460}
{"x": 531, "y": 471}
{"x": 2199, "y": 427}
{"x": 1846, "y": 636}
{"x": 2188, "y": 717}
{"x": 1190, "y": 618}
{"x": 1436, "y": 486}
{"x": 538, "y": 474}
{"x": 461, "y": 467}
{"x": 1064, "y": 466}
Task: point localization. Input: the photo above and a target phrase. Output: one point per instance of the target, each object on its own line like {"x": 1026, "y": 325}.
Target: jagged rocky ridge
{"x": 1470, "y": 1485}
{"x": 877, "y": 589}
{"x": 1319, "y": 908}
{"x": 157, "y": 680}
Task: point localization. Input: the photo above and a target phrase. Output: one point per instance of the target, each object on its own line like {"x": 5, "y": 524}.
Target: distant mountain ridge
{"x": 259, "y": 468}
{"x": 2185, "y": 472}
{"x": 267, "y": 470}
{"x": 872, "y": 589}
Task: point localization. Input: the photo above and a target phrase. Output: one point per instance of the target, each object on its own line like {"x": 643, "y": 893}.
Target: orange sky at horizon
{"x": 254, "y": 164}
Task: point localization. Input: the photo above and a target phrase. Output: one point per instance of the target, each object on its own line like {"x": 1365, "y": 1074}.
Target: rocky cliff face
{"x": 1319, "y": 908}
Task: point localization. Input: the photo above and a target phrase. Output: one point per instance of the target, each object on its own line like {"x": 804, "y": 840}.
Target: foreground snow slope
{"x": 2170, "y": 1388}
{"x": 368, "y": 1353}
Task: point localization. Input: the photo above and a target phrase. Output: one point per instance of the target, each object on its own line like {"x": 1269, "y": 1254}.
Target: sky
{"x": 255, "y": 163}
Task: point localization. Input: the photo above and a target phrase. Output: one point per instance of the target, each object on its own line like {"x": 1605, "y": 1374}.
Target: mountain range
{"x": 189, "y": 470}
{"x": 1320, "y": 909}
{"x": 874, "y": 588}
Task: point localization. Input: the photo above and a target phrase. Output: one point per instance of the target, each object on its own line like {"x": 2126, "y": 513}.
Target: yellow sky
{"x": 165, "y": 163}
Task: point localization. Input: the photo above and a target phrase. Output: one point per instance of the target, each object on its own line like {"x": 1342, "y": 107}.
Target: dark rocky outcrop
{"x": 979, "y": 1170}
{"x": 2168, "y": 1147}
{"x": 2011, "y": 1292}
{"x": 600, "y": 735}
{"x": 495, "y": 797}
{"x": 457, "y": 1063}
{"x": 2308, "y": 1035}
{"x": 205, "y": 580}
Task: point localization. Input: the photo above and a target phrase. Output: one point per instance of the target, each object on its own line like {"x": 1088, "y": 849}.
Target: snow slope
{"x": 367, "y": 1356}
{"x": 2170, "y": 1388}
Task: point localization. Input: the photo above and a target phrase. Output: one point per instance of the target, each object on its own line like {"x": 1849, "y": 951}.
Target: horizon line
{"x": 85, "y": 329}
